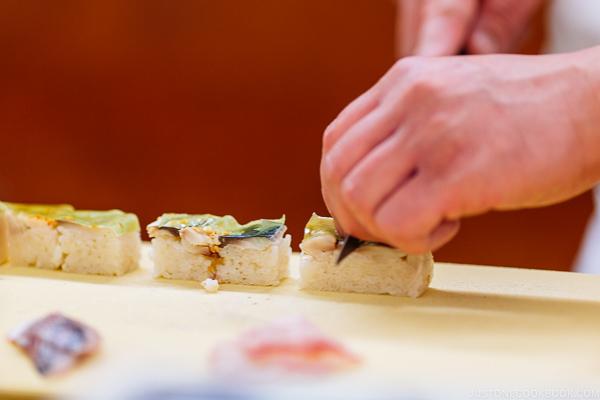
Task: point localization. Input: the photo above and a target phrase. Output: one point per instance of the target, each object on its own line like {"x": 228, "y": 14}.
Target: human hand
{"x": 438, "y": 139}
{"x": 445, "y": 27}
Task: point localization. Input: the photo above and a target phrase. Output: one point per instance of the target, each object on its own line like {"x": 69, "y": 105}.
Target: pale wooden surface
{"x": 486, "y": 325}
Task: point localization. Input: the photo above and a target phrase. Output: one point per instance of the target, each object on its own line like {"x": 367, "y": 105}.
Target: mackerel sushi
{"x": 55, "y": 343}
{"x": 371, "y": 268}
{"x": 205, "y": 246}
{"x": 58, "y": 237}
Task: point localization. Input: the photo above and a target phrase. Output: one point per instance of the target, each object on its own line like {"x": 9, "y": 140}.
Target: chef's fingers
{"x": 345, "y": 220}
{"x": 408, "y": 217}
{"x": 383, "y": 170}
{"x": 500, "y": 24}
{"x": 445, "y": 26}
{"x": 358, "y": 141}
{"x": 354, "y": 112}
{"x": 408, "y": 20}
{"x": 349, "y": 149}
{"x": 371, "y": 118}
{"x": 352, "y": 115}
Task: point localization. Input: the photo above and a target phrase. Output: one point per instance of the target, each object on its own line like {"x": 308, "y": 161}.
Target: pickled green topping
{"x": 227, "y": 228}
{"x": 40, "y": 210}
{"x": 266, "y": 228}
{"x": 318, "y": 225}
{"x": 220, "y": 225}
{"x": 116, "y": 220}
{"x": 120, "y": 222}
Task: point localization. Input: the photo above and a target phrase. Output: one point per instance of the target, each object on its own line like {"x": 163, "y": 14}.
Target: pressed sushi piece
{"x": 33, "y": 236}
{"x": 290, "y": 346}
{"x": 371, "y": 268}
{"x": 205, "y": 246}
{"x": 60, "y": 237}
{"x": 55, "y": 343}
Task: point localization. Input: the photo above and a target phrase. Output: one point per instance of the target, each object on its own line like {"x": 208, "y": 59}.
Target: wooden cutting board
{"x": 476, "y": 327}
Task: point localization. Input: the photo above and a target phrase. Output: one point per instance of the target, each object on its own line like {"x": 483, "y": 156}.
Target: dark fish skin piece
{"x": 56, "y": 343}
{"x": 249, "y": 232}
{"x": 252, "y": 232}
{"x": 349, "y": 244}
{"x": 171, "y": 230}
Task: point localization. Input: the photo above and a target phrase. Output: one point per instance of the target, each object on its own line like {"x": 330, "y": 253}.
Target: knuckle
{"x": 424, "y": 87}
{"x": 332, "y": 169}
{"x": 449, "y": 158}
{"x": 353, "y": 194}
{"x": 329, "y": 135}
{"x": 349, "y": 192}
{"x": 407, "y": 65}
{"x": 410, "y": 71}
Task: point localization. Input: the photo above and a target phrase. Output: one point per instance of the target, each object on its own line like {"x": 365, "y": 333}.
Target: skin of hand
{"x": 441, "y": 138}
{"x": 445, "y": 27}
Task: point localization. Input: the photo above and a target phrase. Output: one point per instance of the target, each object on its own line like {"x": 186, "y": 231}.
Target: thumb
{"x": 445, "y": 26}
{"x": 500, "y": 24}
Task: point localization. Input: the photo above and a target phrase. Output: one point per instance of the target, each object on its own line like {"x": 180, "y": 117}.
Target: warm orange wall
{"x": 209, "y": 106}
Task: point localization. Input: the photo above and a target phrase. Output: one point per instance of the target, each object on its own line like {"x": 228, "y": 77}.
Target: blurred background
{"x": 213, "y": 106}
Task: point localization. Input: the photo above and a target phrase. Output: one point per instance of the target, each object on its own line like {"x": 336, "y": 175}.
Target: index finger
{"x": 350, "y": 115}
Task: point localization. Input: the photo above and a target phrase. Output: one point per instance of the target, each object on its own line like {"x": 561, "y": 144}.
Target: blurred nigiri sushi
{"x": 286, "y": 348}
{"x": 205, "y": 246}
{"x": 60, "y": 237}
